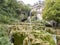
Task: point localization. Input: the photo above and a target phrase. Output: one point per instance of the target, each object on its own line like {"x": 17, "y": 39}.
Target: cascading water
{"x": 54, "y": 38}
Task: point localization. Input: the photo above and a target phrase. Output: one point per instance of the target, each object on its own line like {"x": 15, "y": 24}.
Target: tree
{"x": 52, "y": 10}
{"x": 4, "y": 38}
{"x": 11, "y": 10}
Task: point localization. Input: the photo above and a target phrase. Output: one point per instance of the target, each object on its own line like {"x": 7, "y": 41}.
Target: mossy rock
{"x": 20, "y": 36}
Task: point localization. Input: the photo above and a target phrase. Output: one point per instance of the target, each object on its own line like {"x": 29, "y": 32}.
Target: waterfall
{"x": 39, "y": 16}
{"x": 54, "y": 38}
{"x": 29, "y": 42}
{"x": 29, "y": 17}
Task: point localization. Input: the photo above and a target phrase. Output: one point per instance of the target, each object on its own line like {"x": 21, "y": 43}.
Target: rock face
{"x": 51, "y": 23}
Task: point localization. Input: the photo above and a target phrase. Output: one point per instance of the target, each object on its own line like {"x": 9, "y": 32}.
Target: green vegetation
{"x": 4, "y": 38}
{"x": 34, "y": 33}
{"x": 22, "y": 36}
{"x": 52, "y": 10}
{"x": 34, "y": 38}
{"x": 12, "y": 11}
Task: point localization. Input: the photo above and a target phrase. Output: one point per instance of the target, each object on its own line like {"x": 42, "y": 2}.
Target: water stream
{"x": 54, "y": 38}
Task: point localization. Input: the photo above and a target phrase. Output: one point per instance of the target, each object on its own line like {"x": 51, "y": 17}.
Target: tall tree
{"x": 52, "y": 10}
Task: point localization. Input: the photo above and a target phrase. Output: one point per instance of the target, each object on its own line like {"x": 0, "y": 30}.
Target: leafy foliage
{"x": 4, "y": 38}
{"x": 52, "y": 10}
{"x": 11, "y": 10}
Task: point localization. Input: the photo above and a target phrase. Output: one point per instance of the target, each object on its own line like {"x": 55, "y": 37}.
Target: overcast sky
{"x": 30, "y": 1}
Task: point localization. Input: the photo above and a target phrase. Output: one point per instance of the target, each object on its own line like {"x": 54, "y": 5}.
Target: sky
{"x": 31, "y": 2}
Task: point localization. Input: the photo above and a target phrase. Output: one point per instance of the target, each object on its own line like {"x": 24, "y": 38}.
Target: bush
{"x": 4, "y": 38}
